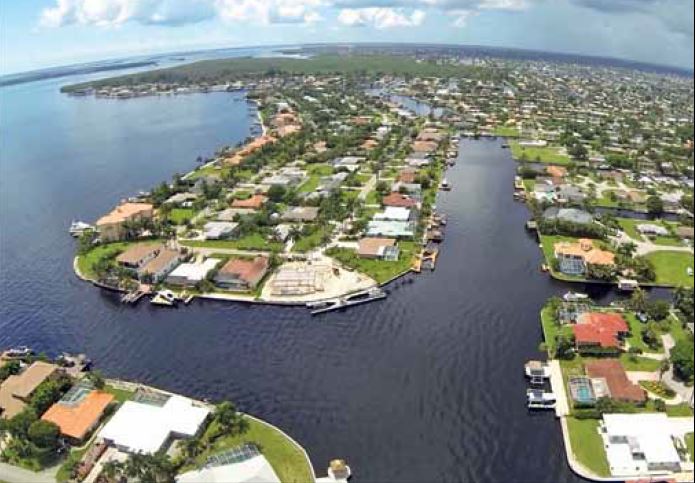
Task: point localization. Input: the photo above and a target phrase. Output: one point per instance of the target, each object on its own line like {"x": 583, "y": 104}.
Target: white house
{"x": 191, "y": 273}
{"x": 640, "y": 444}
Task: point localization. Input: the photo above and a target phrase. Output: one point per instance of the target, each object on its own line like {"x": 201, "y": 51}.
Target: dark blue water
{"x": 424, "y": 386}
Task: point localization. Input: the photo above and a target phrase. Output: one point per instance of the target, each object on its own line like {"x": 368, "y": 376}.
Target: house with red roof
{"x": 241, "y": 274}
{"x": 399, "y": 200}
{"x": 600, "y": 332}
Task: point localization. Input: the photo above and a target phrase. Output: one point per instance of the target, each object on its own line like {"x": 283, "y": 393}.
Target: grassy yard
{"x": 529, "y": 185}
{"x": 635, "y": 339}
{"x": 88, "y": 261}
{"x": 179, "y": 216}
{"x": 690, "y": 442}
{"x": 379, "y": 270}
{"x": 307, "y": 243}
{"x": 671, "y": 267}
{"x": 633, "y": 362}
{"x": 629, "y": 226}
{"x": 544, "y": 154}
{"x": 506, "y": 131}
{"x": 252, "y": 241}
{"x": 121, "y": 395}
{"x": 286, "y": 458}
{"x": 551, "y": 330}
{"x": 372, "y": 198}
{"x": 587, "y": 445}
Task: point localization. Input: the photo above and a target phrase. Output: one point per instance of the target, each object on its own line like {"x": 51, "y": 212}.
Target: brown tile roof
{"x": 250, "y": 271}
{"x": 254, "y": 202}
{"x": 371, "y": 246}
{"x": 620, "y": 387}
{"x": 398, "y": 200}
{"x": 132, "y": 255}
{"x": 585, "y": 249}
{"x": 407, "y": 176}
{"x": 76, "y": 420}
{"x": 21, "y": 386}
{"x": 163, "y": 258}
{"x": 124, "y": 212}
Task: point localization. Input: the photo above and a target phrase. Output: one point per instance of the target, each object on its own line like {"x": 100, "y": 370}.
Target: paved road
{"x": 645, "y": 247}
{"x": 14, "y": 474}
{"x": 685, "y": 392}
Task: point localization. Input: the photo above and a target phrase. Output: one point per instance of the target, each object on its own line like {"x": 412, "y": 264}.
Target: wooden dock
{"x": 357, "y": 298}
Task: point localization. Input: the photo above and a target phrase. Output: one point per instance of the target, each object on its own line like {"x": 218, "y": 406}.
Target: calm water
{"x": 424, "y": 386}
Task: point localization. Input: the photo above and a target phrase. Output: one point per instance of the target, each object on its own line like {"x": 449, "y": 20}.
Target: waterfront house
{"x": 111, "y": 226}
{"x": 393, "y": 213}
{"x": 407, "y": 175}
{"x": 620, "y": 388}
{"x": 78, "y": 412}
{"x": 239, "y": 274}
{"x": 391, "y": 229}
{"x": 640, "y": 444}
{"x": 574, "y": 257}
{"x": 378, "y": 248}
{"x": 219, "y": 230}
{"x": 255, "y": 202}
{"x": 600, "y": 332}
{"x": 189, "y": 274}
{"x": 399, "y": 200}
{"x": 301, "y": 214}
{"x": 253, "y": 467}
{"x": 147, "y": 427}
{"x": 159, "y": 267}
{"x": 136, "y": 256}
{"x": 572, "y": 215}
{"x": 16, "y": 391}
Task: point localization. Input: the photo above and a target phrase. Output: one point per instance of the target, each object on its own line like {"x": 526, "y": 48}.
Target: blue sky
{"x": 43, "y": 33}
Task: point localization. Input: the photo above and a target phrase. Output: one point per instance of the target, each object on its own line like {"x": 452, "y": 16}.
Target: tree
{"x": 682, "y": 359}
{"x": 10, "y": 368}
{"x": 44, "y": 434}
{"x": 638, "y": 300}
{"x": 96, "y": 379}
{"x": 564, "y": 347}
{"x": 276, "y": 193}
{"x": 19, "y": 425}
{"x": 654, "y": 205}
{"x": 658, "y": 309}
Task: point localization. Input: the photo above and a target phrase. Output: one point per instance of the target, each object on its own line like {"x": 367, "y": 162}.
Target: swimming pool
{"x": 581, "y": 390}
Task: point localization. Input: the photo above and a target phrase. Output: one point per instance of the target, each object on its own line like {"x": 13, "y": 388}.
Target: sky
{"x": 43, "y": 33}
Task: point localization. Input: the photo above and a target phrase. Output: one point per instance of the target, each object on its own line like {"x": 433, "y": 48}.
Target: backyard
{"x": 380, "y": 270}
{"x": 587, "y": 445}
{"x": 672, "y": 267}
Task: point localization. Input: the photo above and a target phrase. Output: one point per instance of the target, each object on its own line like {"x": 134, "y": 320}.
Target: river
{"x": 426, "y": 385}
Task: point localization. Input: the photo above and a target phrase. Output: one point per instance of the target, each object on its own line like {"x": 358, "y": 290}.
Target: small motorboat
{"x": 627, "y": 285}
{"x": 17, "y": 352}
{"x": 445, "y": 185}
{"x": 540, "y": 399}
{"x": 164, "y": 297}
{"x": 574, "y": 297}
{"x": 537, "y": 371}
{"x": 77, "y": 228}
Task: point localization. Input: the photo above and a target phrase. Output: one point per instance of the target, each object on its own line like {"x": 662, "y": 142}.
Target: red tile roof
{"x": 250, "y": 271}
{"x": 595, "y": 328}
{"x": 620, "y": 387}
{"x": 399, "y": 200}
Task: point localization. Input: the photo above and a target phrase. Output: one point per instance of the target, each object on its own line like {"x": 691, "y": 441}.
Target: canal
{"x": 426, "y": 385}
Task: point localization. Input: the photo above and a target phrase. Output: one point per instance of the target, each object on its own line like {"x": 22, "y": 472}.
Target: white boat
{"x": 537, "y": 371}
{"x": 79, "y": 227}
{"x": 17, "y": 352}
{"x": 574, "y": 297}
{"x": 628, "y": 285}
{"x": 445, "y": 185}
{"x": 164, "y": 297}
{"x": 539, "y": 399}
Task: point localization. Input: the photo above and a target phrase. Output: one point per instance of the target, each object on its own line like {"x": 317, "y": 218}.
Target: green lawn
{"x": 179, "y": 216}
{"x": 671, "y": 267}
{"x": 587, "y": 445}
{"x": 87, "y": 261}
{"x": 633, "y": 362}
{"x": 316, "y": 172}
{"x": 252, "y": 241}
{"x": 285, "y": 457}
{"x": 545, "y": 154}
{"x": 307, "y": 243}
{"x": 629, "y": 226}
{"x": 529, "y": 185}
{"x": 551, "y": 330}
{"x": 372, "y": 198}
{"x": 635, "y": 339}
{"x": 379, "y": 270}
{"x": 506, "y": 131}
{"x": 121, "y": 395}
{"x": 690, "y": 442}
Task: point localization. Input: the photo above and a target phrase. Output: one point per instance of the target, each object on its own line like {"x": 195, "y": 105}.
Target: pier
{"x": 357, "y": 298}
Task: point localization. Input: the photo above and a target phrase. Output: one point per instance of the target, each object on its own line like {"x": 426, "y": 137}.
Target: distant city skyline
{"x": 42, "y": 33}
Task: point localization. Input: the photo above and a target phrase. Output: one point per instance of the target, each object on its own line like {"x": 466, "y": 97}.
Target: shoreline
{"x": 133, "y": 386}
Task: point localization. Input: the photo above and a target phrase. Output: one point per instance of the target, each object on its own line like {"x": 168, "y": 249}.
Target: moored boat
{"x": 540, "y": 399}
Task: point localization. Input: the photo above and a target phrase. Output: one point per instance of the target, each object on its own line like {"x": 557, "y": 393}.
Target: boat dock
{"x": 351, "y": 300}
{"x": 132, "y": 297}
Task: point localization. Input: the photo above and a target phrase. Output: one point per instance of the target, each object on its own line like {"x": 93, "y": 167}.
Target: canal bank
{"x": 417, "y": 377}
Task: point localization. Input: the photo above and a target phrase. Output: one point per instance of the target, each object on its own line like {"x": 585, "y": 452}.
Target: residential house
{"x": 620, "y": 388}
{"x": 189, "y": 274}
{"x": 378, "y": 248}
{"x": 572, "y": 215}
{"x": 602, "y": 332}
{"x": 255, "y": 202}
{"x": 218, "y": 230}
{"x": 79, "y": 412}
{"x": 399, "y": 200}
{"x": 391, "y": 229}
{"x": 574, "y": 257}
{"x": 16, "y": 390}
{"x": 136, "y": 256}
{"x": 159, "y": 267}
{"x": 239, "y": 274}
{"x": 111, "y": 226}
{"x": 301, "y": 214}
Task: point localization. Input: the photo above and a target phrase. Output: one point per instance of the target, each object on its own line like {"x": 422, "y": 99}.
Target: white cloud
{"x": 380, "y": 17}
